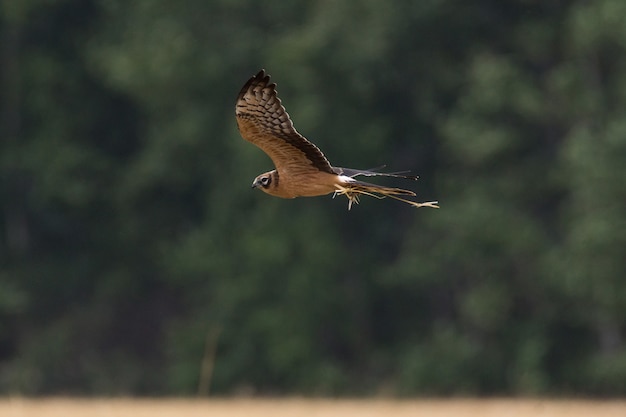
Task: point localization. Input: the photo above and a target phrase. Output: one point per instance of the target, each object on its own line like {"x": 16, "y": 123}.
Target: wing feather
{"x": 373, "y": 172}
{"x": 263, "y": 121}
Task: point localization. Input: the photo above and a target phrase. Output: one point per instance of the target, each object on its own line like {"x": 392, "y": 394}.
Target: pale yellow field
{"x": 63, "y": 407}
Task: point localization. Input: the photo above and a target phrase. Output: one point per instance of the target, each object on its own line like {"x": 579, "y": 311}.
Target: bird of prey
{"x": 302, "y": 170}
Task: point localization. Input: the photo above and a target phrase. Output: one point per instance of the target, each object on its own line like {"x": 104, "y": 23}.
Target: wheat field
{"x": 66, "y": 407}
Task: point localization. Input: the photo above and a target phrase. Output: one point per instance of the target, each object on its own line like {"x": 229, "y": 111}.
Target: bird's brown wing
{"x": 262, "y": 120}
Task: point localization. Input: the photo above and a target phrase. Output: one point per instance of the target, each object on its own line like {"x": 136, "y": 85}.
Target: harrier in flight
{"x": 302, "y": 170}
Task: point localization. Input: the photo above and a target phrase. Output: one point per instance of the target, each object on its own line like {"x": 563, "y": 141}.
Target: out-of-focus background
{"x": 135, "y": 259}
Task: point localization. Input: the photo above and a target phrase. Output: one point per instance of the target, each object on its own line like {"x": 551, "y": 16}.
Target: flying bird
{"x": 302, "y": 170}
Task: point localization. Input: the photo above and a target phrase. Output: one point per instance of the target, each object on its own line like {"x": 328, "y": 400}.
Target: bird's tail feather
{"x": 352, "y": 190}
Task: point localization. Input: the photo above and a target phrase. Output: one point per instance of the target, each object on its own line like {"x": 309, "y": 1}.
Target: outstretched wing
{"x": 373, "y": 172}
{"x": 263, "y": 121}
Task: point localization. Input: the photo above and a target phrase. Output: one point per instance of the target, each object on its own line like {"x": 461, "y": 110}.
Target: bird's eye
{"x": 265, "y": 181}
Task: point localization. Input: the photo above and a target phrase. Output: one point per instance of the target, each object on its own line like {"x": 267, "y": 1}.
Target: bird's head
{"x": 266, "y": 181}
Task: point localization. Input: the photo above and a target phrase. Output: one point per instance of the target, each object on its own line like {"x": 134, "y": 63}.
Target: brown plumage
{"x": 302, "y": 170}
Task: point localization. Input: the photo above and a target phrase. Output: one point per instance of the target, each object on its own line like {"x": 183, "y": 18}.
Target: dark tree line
{"x": 134, "y": 259}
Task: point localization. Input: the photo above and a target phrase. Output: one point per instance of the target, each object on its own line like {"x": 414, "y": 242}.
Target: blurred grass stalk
{"x": 208, "y": 361}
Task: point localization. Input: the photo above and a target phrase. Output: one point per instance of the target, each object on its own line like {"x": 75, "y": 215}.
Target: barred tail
{"x": 353, "y": 189}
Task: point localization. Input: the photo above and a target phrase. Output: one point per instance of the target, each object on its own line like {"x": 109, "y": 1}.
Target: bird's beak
{"x": 255, "y": 184}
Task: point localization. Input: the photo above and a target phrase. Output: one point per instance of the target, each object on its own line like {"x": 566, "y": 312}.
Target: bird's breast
{"x": 310, "y": 184}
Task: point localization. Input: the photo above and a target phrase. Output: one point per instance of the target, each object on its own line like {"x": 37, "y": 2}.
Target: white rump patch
{"x": 346, "y": 179}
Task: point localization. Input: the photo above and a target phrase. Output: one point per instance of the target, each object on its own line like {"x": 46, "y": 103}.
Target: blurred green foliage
{"x": 132, "y": 249}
